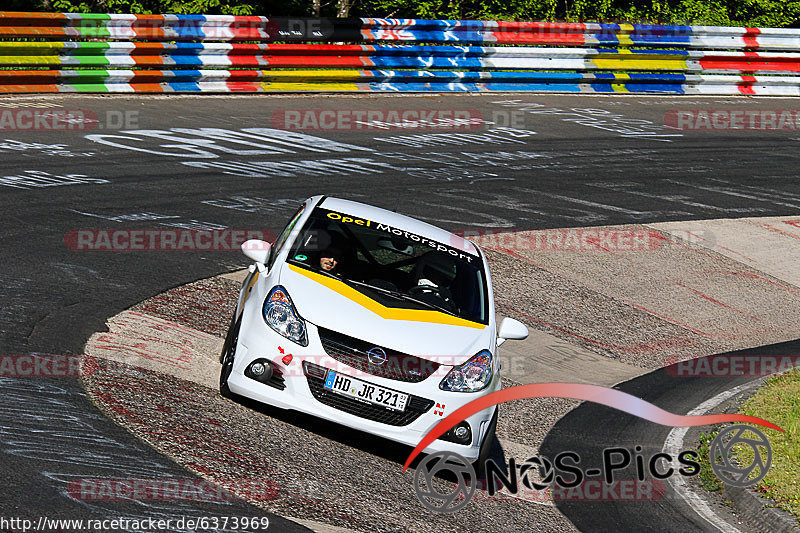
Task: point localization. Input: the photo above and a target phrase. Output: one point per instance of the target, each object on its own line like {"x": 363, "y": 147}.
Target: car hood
{"x": 332, "y": 304}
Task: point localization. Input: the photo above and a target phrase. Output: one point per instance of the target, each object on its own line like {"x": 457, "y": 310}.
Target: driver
{"x": 330, "y": 260}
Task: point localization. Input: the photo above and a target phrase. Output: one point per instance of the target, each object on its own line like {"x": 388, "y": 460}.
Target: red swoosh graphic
{"x": 619, "y": 400}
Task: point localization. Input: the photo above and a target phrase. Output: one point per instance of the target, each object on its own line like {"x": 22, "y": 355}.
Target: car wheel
{"x": 487, "y": 444}
{"x": 226, "y": 358}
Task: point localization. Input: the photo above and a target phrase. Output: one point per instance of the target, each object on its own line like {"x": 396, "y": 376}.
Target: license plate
{"x": 361, "y": 390}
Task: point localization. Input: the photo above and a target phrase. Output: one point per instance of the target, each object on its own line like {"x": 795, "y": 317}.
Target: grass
{"x": 707, "y": 479}
{"x": 778, "y": 401}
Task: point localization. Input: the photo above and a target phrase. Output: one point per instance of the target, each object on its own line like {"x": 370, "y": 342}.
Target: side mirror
{"x": 511, "y": 329}
{"x": 258, "y": 251}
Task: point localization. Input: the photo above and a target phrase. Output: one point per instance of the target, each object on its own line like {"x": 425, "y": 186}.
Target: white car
{"x": 371, "y": 319}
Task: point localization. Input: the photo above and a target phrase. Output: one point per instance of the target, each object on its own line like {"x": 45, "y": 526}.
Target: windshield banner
{"x": 379, "y": 226}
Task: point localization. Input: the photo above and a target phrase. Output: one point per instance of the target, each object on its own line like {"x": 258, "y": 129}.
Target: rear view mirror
{"x": 257, "y": 250}
{"x": 388, "y": 244}
{"x": 511, "y": 329}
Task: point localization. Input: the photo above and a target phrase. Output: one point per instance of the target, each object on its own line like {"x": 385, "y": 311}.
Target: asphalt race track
{"x": 230, "y": 162}
{"x": 669, "y": 393}
{"x": 590, "y": 428}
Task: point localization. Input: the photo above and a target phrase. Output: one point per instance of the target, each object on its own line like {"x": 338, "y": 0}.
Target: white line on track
{"x": 674, "y": 444}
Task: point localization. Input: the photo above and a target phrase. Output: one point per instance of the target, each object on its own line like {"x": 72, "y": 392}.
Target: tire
{"x": 226, "y": 358}
{"x": 487, "y": 444}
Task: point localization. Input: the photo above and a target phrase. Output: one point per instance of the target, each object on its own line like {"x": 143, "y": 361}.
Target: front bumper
{"x": 302, "y": 391}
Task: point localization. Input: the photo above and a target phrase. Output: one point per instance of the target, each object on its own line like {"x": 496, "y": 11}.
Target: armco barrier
{"x": 66, "y": 52}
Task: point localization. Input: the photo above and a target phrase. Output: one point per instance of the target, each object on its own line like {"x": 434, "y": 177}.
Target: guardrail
{"x": 188, "y": 53}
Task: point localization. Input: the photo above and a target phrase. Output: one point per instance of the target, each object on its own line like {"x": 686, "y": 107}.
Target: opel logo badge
{"x": 376, "y": 356}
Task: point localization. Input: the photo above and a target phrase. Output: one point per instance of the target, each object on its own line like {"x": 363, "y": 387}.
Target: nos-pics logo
{"x": 445, "y": 482}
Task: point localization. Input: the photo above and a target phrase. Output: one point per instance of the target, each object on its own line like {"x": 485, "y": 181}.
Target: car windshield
{"x": 393, "y": 266}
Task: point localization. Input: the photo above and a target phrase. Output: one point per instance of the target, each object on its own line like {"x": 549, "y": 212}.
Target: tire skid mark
{"x": 187, "y": 430}
{"x": 641, "y": 347}
{"x": 715, "y": 301}
{"x": 780, "y": 231}
{"x": 671, "y": 320}
{"x": 668, "y": 319}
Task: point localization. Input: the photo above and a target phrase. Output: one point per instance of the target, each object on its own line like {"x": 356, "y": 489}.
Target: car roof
{"x": 399, "y": 221}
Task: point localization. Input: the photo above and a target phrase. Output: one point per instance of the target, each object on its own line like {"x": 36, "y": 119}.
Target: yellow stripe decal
{"x": 389, "y": 313}
{"x": 247, "y": 294}
{"x": 250, "y": 287}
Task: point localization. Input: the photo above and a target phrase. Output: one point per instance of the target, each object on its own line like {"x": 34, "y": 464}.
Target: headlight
{"x": 472, "y": 376}
{"x": 280, "y": 314}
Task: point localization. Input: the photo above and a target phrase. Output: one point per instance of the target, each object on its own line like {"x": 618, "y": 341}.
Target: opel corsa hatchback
{"x": 371, "y": 319}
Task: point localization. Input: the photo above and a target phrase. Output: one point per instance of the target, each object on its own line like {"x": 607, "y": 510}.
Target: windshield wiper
{"x": 402, "y": 296}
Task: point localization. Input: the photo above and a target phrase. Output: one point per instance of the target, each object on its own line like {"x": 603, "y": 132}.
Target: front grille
{"x": 353, "y": 353}
{"x": 415, "y": 406}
